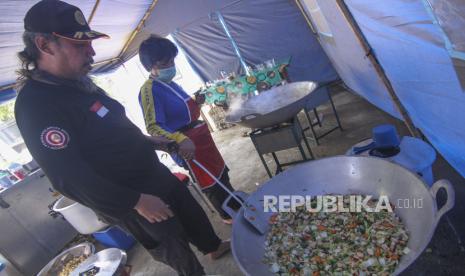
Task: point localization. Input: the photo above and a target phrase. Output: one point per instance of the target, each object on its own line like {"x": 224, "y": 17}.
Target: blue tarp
{"x": 261, "y": 29}
{"x": 412, "y": 51}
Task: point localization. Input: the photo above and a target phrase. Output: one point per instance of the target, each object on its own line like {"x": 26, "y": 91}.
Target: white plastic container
{"x": 417, "y": 156}
{"x": 82, "y": 218}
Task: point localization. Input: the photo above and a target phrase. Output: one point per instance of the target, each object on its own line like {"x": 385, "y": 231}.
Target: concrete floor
{"x": 446, "y": 252}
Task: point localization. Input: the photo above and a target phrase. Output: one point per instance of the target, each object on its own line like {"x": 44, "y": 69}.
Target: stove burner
{"x": 384, "y": 153}
{"x": 280, "y": 137}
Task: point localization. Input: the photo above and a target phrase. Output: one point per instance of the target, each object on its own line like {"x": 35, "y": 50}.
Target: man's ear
{"x": 44, "y": 45}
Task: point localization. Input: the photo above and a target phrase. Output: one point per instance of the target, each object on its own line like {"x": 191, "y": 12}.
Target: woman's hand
{"x": 199, "y": 98}
{"x": 160, "y": 142}
{"x": 187, "y": 149}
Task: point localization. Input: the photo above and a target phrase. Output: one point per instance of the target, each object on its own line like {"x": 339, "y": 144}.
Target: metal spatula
{"x": 252, "y": 213}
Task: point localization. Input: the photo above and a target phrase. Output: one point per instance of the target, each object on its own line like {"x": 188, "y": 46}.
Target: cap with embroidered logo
{"x": 61, "y": 19}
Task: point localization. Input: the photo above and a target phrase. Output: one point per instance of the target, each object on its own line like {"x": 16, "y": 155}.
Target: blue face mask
{"x": 167, "y": 74}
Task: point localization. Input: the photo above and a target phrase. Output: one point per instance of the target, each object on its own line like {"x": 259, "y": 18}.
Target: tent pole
{"x": 309, "y": 23}
{"x": 233, "y": 42}
{"x": 138, "y": 28}
{"x": 8, "y": 86}
{"x": 91, "y": 16}
{"x": 379, "y": 69}
{"x": 105, "y": 61}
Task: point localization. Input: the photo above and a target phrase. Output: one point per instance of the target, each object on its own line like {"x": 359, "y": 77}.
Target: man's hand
{"x": 160, "y": 142}
{"x": 153, "y": 208}
{"x": 187, "y": 149}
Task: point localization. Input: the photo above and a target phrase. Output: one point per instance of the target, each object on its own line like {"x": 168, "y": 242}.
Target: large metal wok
{"x": 271, "y": 107}
{"x": 347, "y": 175}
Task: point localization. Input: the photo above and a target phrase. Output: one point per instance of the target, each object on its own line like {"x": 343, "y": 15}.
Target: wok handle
{"x": 231, "y": 212}
{"x": 443, "y": 183}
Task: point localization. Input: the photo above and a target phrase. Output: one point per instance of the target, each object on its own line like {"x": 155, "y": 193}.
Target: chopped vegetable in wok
{"x": 336, "y": 243}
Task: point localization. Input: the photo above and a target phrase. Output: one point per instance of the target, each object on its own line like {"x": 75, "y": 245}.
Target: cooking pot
{"x": 271, "y": 107}
{"x": 342, "y": 175}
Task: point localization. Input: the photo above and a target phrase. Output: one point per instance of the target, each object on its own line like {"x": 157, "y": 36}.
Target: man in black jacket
{"x": 89, "y": 149}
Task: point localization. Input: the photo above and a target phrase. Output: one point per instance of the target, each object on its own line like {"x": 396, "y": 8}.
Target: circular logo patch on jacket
{"x": 54, "y": 138}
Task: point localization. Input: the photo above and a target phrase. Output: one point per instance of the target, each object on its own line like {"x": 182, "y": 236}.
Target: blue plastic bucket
{"x": 115, "y": 237}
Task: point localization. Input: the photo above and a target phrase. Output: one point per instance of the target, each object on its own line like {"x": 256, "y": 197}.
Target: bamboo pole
{"x": 105, "y": 61}
{"x": 7, "y": 86}
{"x": 378, "y": 67}
{"x": 138, "y": 28}
{"x": 131, "y": 37}
{"x": 93, "y": 11}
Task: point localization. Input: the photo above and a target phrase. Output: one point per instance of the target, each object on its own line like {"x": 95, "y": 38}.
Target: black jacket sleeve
{"x": 51, "y": 137}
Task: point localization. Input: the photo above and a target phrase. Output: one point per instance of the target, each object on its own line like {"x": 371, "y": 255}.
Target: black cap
{"x": 61, "y": 19}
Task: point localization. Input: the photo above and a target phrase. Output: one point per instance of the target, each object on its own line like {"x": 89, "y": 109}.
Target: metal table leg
{"x": 305, "y": 139}
{"x": 278, "y": 165}
{"x": 317, "y": 117}
{"x": 310, "y": 124}
{"x": 335, "y": 112}
{"x": 264, "y": 164}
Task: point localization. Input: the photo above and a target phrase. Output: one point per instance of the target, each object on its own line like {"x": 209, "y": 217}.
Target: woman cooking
{"x": 170, "y": 112}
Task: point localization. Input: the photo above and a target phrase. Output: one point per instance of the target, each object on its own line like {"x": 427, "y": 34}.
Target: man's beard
{"x": 86, "y": 84}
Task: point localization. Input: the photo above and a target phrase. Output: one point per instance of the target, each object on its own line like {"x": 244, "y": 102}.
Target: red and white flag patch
{"x": 99, "y": 108}
{"x": 54, "y": 138}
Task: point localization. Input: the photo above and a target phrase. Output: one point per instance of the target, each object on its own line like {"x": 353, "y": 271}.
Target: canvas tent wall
{"x": 411, "y": 48}
{"x": 257, "y": 25}
{"x": 262, "y": 30}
